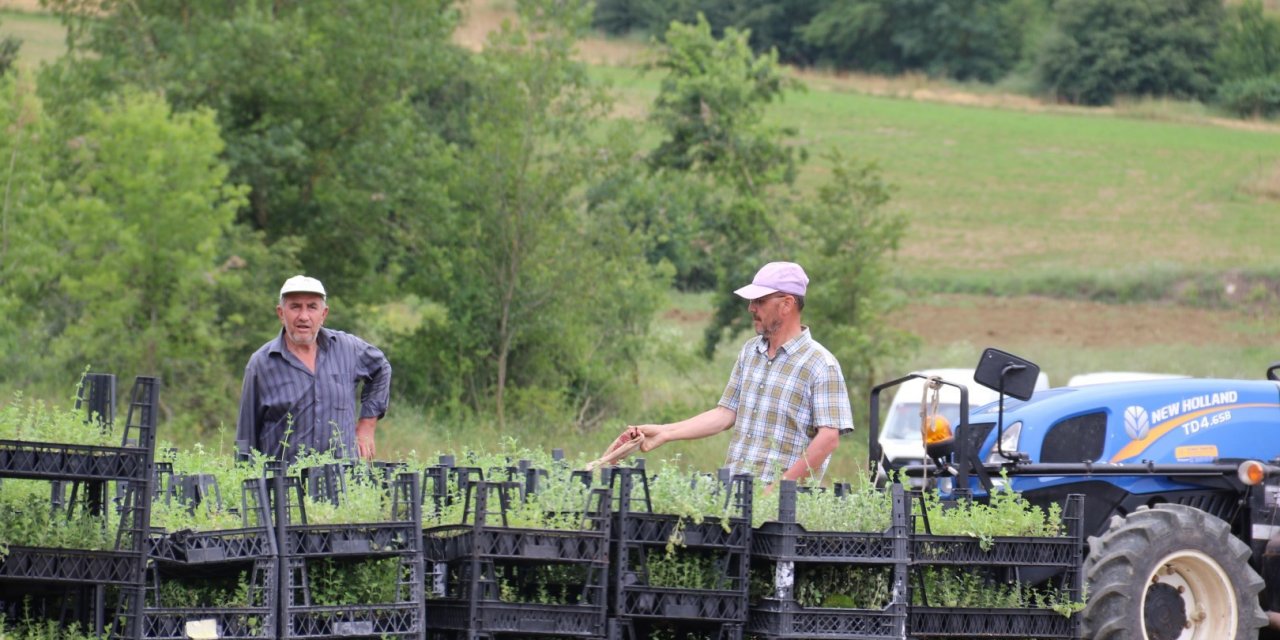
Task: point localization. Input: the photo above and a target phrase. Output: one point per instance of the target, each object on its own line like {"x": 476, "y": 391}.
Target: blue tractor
{"x": 1181, "y": 479}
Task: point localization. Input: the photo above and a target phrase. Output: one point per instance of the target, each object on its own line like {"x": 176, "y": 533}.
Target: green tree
{"x": 1101, "y": 49}
{"x": 546, "y": 303}
{"x": 710, "y": 109}
{"x": 148, "y": 205}
{"x": 1250, "y": 43}
{"x": 318, "y": 102}
{"x": 9, "y": 47}
{"x": 1248, "y": 61}
{"x": 29, "y": 227}
{"x": 963, "y": 39}
{"x": 846, "y": 240}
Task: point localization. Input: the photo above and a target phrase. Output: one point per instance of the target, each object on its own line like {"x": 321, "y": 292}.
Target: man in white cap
{"x": 300, "y": 387}
{"x": 786, "y": 400}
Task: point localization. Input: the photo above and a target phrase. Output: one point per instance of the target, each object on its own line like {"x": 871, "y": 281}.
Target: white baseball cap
{"x": 302, "y": 284}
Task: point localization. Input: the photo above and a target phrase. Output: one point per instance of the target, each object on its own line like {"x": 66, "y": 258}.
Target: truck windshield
{"x": 903, "y": 422}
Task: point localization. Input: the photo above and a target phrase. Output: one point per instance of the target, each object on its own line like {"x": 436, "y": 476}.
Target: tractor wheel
{"x": 1170, "y": 572}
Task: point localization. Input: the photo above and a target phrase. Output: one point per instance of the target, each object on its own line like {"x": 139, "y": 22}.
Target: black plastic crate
{"x": 1002, "y": 551}
{"x": 785, "y": 619}
{"x": 255, "y": 617}
{"x": 455, "y": 542}
{"x": 72, "y": 565}
{"x": 387, "y": 620}
{"x": 365, "y": 539}
{"x": 232, "y": 623}
{"x": 52, "y": 461}
{"x": 402, "y": 534}
{"x": 1019, "y": 624}
{"x": 1024, "y": 562}
{"x": 642, "y": 538}
{"x": 785, "y": 540}
{"x": 710, "y": 605}
{"x": 487, "y": 577}
{"x": 786, "y": 551}
{"x": 398, "y": 540}
{"x": 227, "y": 545}
{"x": 640, "y": 629}
{"x": 255, "y": 540}
{"x": 520, "y": 619}
{"x": 89, "y": 472}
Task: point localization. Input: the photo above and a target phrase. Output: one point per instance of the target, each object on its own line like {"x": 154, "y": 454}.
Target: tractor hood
{"x": 1159, "y": 421}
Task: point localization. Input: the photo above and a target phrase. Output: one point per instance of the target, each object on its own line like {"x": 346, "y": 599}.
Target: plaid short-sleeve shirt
{"x": 781, "y": 403}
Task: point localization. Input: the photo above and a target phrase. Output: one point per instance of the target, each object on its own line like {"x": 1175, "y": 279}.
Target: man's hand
{"x": 627, "y": 435}
{"x": 364, "y": 437}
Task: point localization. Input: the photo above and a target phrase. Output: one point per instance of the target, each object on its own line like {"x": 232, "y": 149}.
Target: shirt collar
{"x": 790, "y": 346}
{"x": 323, "y": 337}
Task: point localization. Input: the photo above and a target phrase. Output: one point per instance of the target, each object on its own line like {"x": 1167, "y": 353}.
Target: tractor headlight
{"x": 1008, "y": 443}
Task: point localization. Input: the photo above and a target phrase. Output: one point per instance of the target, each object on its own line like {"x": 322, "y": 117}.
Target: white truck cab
{"x": 900, "y": 434}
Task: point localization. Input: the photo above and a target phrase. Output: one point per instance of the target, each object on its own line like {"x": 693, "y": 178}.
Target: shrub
{"x": 1102, "y": 49}
{"x": 1257, "y": 97}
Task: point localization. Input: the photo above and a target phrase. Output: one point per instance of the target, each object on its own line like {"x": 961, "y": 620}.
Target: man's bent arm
{"x": 819, "y": 449}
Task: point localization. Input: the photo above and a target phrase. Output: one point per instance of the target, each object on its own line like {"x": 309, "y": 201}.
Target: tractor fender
{"x": 1170, "y": 572}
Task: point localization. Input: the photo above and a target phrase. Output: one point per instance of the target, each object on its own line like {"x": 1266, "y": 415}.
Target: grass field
{"x": 999, "y": 190}
{"x": 1004, "y": 194}
{"x": 43, "y": 38}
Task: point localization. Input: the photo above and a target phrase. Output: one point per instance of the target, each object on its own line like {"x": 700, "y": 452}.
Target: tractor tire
{"x": 1170, "y": 572}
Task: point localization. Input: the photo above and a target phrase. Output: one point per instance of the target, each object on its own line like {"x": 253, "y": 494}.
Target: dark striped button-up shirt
{"x": 317, "y": 409}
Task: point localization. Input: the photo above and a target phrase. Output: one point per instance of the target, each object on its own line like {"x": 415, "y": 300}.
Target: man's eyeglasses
{"x": 759, "y": 302}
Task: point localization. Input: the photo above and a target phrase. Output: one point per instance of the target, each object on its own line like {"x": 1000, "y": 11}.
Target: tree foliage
{"x": 846, "y": 240}
{"x": 1248, "y": 61}
{"x": 963, "y": 39}
{"x": 548, "y": 303}
{"x": 710, "y": 109}
{"x": 1102, "y": 49}
{"x": 113, "y": 240}
{"x": 315, "y": 101}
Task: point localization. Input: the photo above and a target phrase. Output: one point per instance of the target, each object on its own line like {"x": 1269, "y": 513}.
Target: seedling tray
{"x": 520, "y": 618}
{"x": 786, "y": 620}
{"x": 351, "y": 539}
{"x": 792, "y": 543}
{"x": 50, "y": 461}
{"x": 201, "y": 547}
{"x": 658, "y": 529}
{"x": 682, "y": 604}
{"x": 402, "y": 619}
{"x": 1022, "y": 624}
{"x": 1003, "y": 551}
{"x": 455, "y": 542}
{"x": 72, "y": 565}
{"x": 231, "y": 623}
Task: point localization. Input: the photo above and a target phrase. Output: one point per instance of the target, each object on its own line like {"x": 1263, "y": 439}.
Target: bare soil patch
{"x": 21, "y": 5}
{"x": 947, "y": 319}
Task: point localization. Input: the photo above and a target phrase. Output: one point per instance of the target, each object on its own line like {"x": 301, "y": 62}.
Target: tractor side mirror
{"x": 1273, "y": 371}
{"x": 1006, "y": 373}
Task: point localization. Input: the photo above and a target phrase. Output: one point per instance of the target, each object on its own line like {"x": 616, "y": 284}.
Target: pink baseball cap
{"x": 786, "y": 277}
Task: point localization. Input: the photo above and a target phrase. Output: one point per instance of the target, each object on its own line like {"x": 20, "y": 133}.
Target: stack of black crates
{"x": 492, "y": 580}
{"x": 782, "y": 550}
{"x": 304, "y": 547}
{"x": 100, "y": 591}
{"x": 1052, "y": 562}
{"x": 229, "y": 558}
{"x": 641, "y": 608}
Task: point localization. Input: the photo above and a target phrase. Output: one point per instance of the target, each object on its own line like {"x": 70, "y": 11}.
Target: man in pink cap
{"x": 786, "y": 400}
